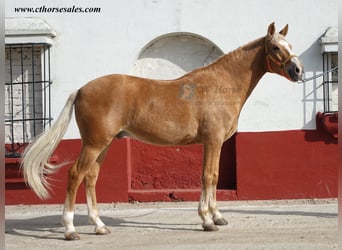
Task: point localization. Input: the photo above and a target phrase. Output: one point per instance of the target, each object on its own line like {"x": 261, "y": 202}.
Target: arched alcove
{"x": 172, "y": 55}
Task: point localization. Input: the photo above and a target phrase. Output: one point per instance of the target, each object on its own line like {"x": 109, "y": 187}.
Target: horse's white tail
{"x": 36, "y": 156}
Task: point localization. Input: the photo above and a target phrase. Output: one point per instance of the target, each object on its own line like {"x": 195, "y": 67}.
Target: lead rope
{"x": 319, "y": 75}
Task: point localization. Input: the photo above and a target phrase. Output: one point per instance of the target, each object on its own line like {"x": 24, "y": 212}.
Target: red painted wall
{"x": 286, "y": 165}
{"x": 175, "y": 167}
{"x": 173, "y": 173}
{"x": 112, "y": 185}
{"x": 268, "y": 165}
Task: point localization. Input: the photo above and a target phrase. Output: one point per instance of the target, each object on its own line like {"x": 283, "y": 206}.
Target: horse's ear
{"x": 271, "y": 30}
{"x": 284, "y": 30}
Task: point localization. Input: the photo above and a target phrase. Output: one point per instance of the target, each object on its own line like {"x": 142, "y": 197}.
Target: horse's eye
{"x": 276, "y": 48}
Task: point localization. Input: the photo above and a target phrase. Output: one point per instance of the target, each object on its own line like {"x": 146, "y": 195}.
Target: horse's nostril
{"x": 296, "y": 69}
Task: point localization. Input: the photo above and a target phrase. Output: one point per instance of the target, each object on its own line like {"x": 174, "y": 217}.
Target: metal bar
{"x": 25, "y": 45}
{"x": 44, "y": 86}
{"x": 324, "y": 83}
{"x": 33, "y": 92}
{"x": 323, "y": 58}
{"x": 27, "y": 82}
{"x": 49, "y": 86}
{"x": 319, "y": 75}
{"x": 22, "y": 90}
{"x": 11, "y": 100}
{"x": 327, "y": 82}
{"x": 29, "y": 119}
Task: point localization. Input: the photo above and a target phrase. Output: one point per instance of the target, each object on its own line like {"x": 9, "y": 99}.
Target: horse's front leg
{"x": 208, "y": 209}
{"x": 217, "y": 216}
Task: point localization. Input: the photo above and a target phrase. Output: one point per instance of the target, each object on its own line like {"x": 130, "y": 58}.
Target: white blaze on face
{"x": 286, "y": 46}
{"x": 294, "y": 59}
{"x": 298, "y": 70}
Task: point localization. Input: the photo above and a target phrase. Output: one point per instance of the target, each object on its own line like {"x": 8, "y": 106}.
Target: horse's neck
{"x": 246, "y": 66}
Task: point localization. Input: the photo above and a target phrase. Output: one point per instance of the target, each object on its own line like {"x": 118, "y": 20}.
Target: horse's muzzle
{"x": 295, "y": 70}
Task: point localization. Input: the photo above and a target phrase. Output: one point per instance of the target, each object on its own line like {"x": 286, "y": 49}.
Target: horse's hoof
{"x": 102, "y": 231}
{"x": 72, "y": 236}
{"x": 220, "y": 221}
{"x": 210, "y": 227}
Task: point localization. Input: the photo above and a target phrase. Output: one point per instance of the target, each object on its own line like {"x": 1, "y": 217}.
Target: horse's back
{"x": 150, "y": 110}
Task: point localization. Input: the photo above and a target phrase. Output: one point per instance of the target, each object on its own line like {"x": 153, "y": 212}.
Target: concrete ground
{"x": 287, "y": 224}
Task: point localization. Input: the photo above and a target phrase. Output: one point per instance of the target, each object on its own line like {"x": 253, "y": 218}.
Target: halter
{"x": 281, "y": 64}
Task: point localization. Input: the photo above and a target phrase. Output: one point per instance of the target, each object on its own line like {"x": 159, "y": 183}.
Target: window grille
{"x": 330, "y": 81}
{"x": 329, "y": 46}
{"x": 27, "y": 94}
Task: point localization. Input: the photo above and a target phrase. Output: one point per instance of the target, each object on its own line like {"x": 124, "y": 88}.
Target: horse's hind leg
{"x": 74, "y": 181}
{"x": 93, "y": 212}
{"x": 86, "y": 163}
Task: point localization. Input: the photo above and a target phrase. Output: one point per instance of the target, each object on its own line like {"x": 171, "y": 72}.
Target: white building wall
{"x": 90, "y": 45}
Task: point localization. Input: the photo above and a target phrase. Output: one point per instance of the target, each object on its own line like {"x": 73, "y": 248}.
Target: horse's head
{"x": 279, "y": 56}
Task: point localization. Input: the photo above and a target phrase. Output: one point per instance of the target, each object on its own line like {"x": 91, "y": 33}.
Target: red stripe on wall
{"x": 258, "y": 165}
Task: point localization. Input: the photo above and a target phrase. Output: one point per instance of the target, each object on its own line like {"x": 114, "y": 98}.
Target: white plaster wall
{"x": 90, "y": 45}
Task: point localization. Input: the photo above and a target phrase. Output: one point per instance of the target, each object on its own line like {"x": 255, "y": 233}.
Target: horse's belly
{"x": 164, "y": 133}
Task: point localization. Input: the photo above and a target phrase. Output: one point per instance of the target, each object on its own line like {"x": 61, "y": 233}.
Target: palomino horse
{"x": 187, "y": 110}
